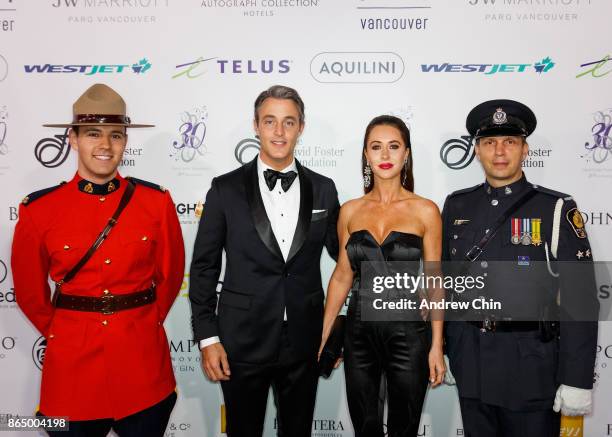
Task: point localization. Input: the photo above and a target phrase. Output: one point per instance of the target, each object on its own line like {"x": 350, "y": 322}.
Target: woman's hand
{"x": 323, "y": 341}
{"x": 436, "y": 366}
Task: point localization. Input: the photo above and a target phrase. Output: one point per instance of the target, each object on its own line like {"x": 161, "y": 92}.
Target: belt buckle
{"x": 473, "y": 253}
{"x": 108, "y": 304}
{"x": 488, "y": 325}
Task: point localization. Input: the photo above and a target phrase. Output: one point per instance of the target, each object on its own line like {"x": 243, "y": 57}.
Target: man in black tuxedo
{"x": 272, "y": 216}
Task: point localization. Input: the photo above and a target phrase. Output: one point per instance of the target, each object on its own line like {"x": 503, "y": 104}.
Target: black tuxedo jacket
{"x": 258, "y": 283}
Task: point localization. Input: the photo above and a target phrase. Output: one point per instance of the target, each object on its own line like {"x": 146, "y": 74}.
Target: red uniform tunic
{"x": 96, "y": 365}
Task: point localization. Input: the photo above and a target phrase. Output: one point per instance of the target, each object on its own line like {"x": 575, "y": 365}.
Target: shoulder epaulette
{"x": 465, "y": 190}
{"x": 146, "y": 184}
{"x": 552, "y": 192}
{"x": 40, "y": 193}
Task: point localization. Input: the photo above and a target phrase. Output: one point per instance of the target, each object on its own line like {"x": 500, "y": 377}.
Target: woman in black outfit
{"x": 388, "y": 223}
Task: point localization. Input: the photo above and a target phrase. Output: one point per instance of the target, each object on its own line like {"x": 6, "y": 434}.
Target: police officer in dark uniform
{"x": 517, "y": 369}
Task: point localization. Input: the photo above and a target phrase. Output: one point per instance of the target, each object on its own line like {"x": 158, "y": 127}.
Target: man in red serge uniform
{"x": 107, "y": 363}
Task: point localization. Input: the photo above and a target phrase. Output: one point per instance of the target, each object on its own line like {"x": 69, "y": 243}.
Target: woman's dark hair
{"x": 406, "y": 177}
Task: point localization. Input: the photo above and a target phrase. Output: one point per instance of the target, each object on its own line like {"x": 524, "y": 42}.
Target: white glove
{"x": 572, "y": 401}
{"x": 449, "y": 379}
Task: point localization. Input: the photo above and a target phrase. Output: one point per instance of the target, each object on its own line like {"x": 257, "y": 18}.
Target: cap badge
{"x": 500, "y": 117}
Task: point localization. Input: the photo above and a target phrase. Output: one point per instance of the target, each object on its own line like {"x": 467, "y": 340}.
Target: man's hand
{"x": 572, "y": 401}
{"x": 214, "y": 363}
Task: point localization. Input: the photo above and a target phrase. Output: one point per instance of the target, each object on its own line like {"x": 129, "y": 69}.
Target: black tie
{"x": 272, "y": 176}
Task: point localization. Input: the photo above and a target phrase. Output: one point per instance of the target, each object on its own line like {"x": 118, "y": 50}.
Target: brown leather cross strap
{"x": 108, "y": 304}
{"x": 125, "y": 199}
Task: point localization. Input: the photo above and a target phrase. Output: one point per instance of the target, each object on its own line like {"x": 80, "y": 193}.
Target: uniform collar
{"x": 89, "y": 187}
{"x": 507, "y": 190}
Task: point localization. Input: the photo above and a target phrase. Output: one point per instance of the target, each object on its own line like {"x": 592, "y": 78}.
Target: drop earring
{"x": 367, "y": 175}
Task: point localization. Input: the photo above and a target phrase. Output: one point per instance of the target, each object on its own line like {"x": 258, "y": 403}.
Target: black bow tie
{"x": 272, "y": 176}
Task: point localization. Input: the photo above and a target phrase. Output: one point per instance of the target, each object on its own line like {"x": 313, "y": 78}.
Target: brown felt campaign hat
{"x": 99, "y": 105}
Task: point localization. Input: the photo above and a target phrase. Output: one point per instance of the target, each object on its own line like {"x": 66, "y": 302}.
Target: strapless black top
{"x": 400, "y": 252}
{"x": 397, "y": 246}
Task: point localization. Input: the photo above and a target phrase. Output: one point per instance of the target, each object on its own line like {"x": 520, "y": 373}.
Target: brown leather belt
{"x": 108, "y": 304}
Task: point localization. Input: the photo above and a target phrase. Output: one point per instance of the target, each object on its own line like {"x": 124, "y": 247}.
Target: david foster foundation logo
{"x": 318, "y": 157}
{"x": 38, "y": 351}
{"x": 357, "y": 67}
{"x": 7, "y": 295}
{"x": 540, "y": 12}
{"x": 53, "y": 151}
{"x": 247, "y": 149}
{"x": 3, "y": 271}
{"x": 458, "y": 153}
{"x": 4, "y": 148}
{"x": 131, "y": 155}
{"x": 3, "y": 68}
{"x": 3, "y": 129}
{"x": 6, "y": 344}
{"x": 7, "y": 14}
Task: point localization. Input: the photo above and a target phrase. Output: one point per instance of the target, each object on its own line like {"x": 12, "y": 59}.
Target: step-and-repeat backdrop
{"x": 194, "y": 68}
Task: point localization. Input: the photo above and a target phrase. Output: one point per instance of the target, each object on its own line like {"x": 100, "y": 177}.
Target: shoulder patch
{"x": 38, "y": 194}
{"x": 146, "y": 184}
{"x": 554, "y": 193}
{"x": 574, "y": 218}
{"x": 465, "y": 190}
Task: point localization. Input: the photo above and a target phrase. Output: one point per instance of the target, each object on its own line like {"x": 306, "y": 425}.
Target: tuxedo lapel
{"x": 258, "y": 210}
{"x": 305, "y": 214}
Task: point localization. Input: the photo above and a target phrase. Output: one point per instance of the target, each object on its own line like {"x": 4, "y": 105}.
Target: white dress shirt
{"x": 282, "y": 209}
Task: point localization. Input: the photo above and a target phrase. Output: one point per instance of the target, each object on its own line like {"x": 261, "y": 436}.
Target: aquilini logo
{"x": 596, "y": 69}
{"x": 139, "y": 67}
{"x": 543, "y": 66}
{"x": 198, "y": 67}
{"x": 357, "y": 67}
